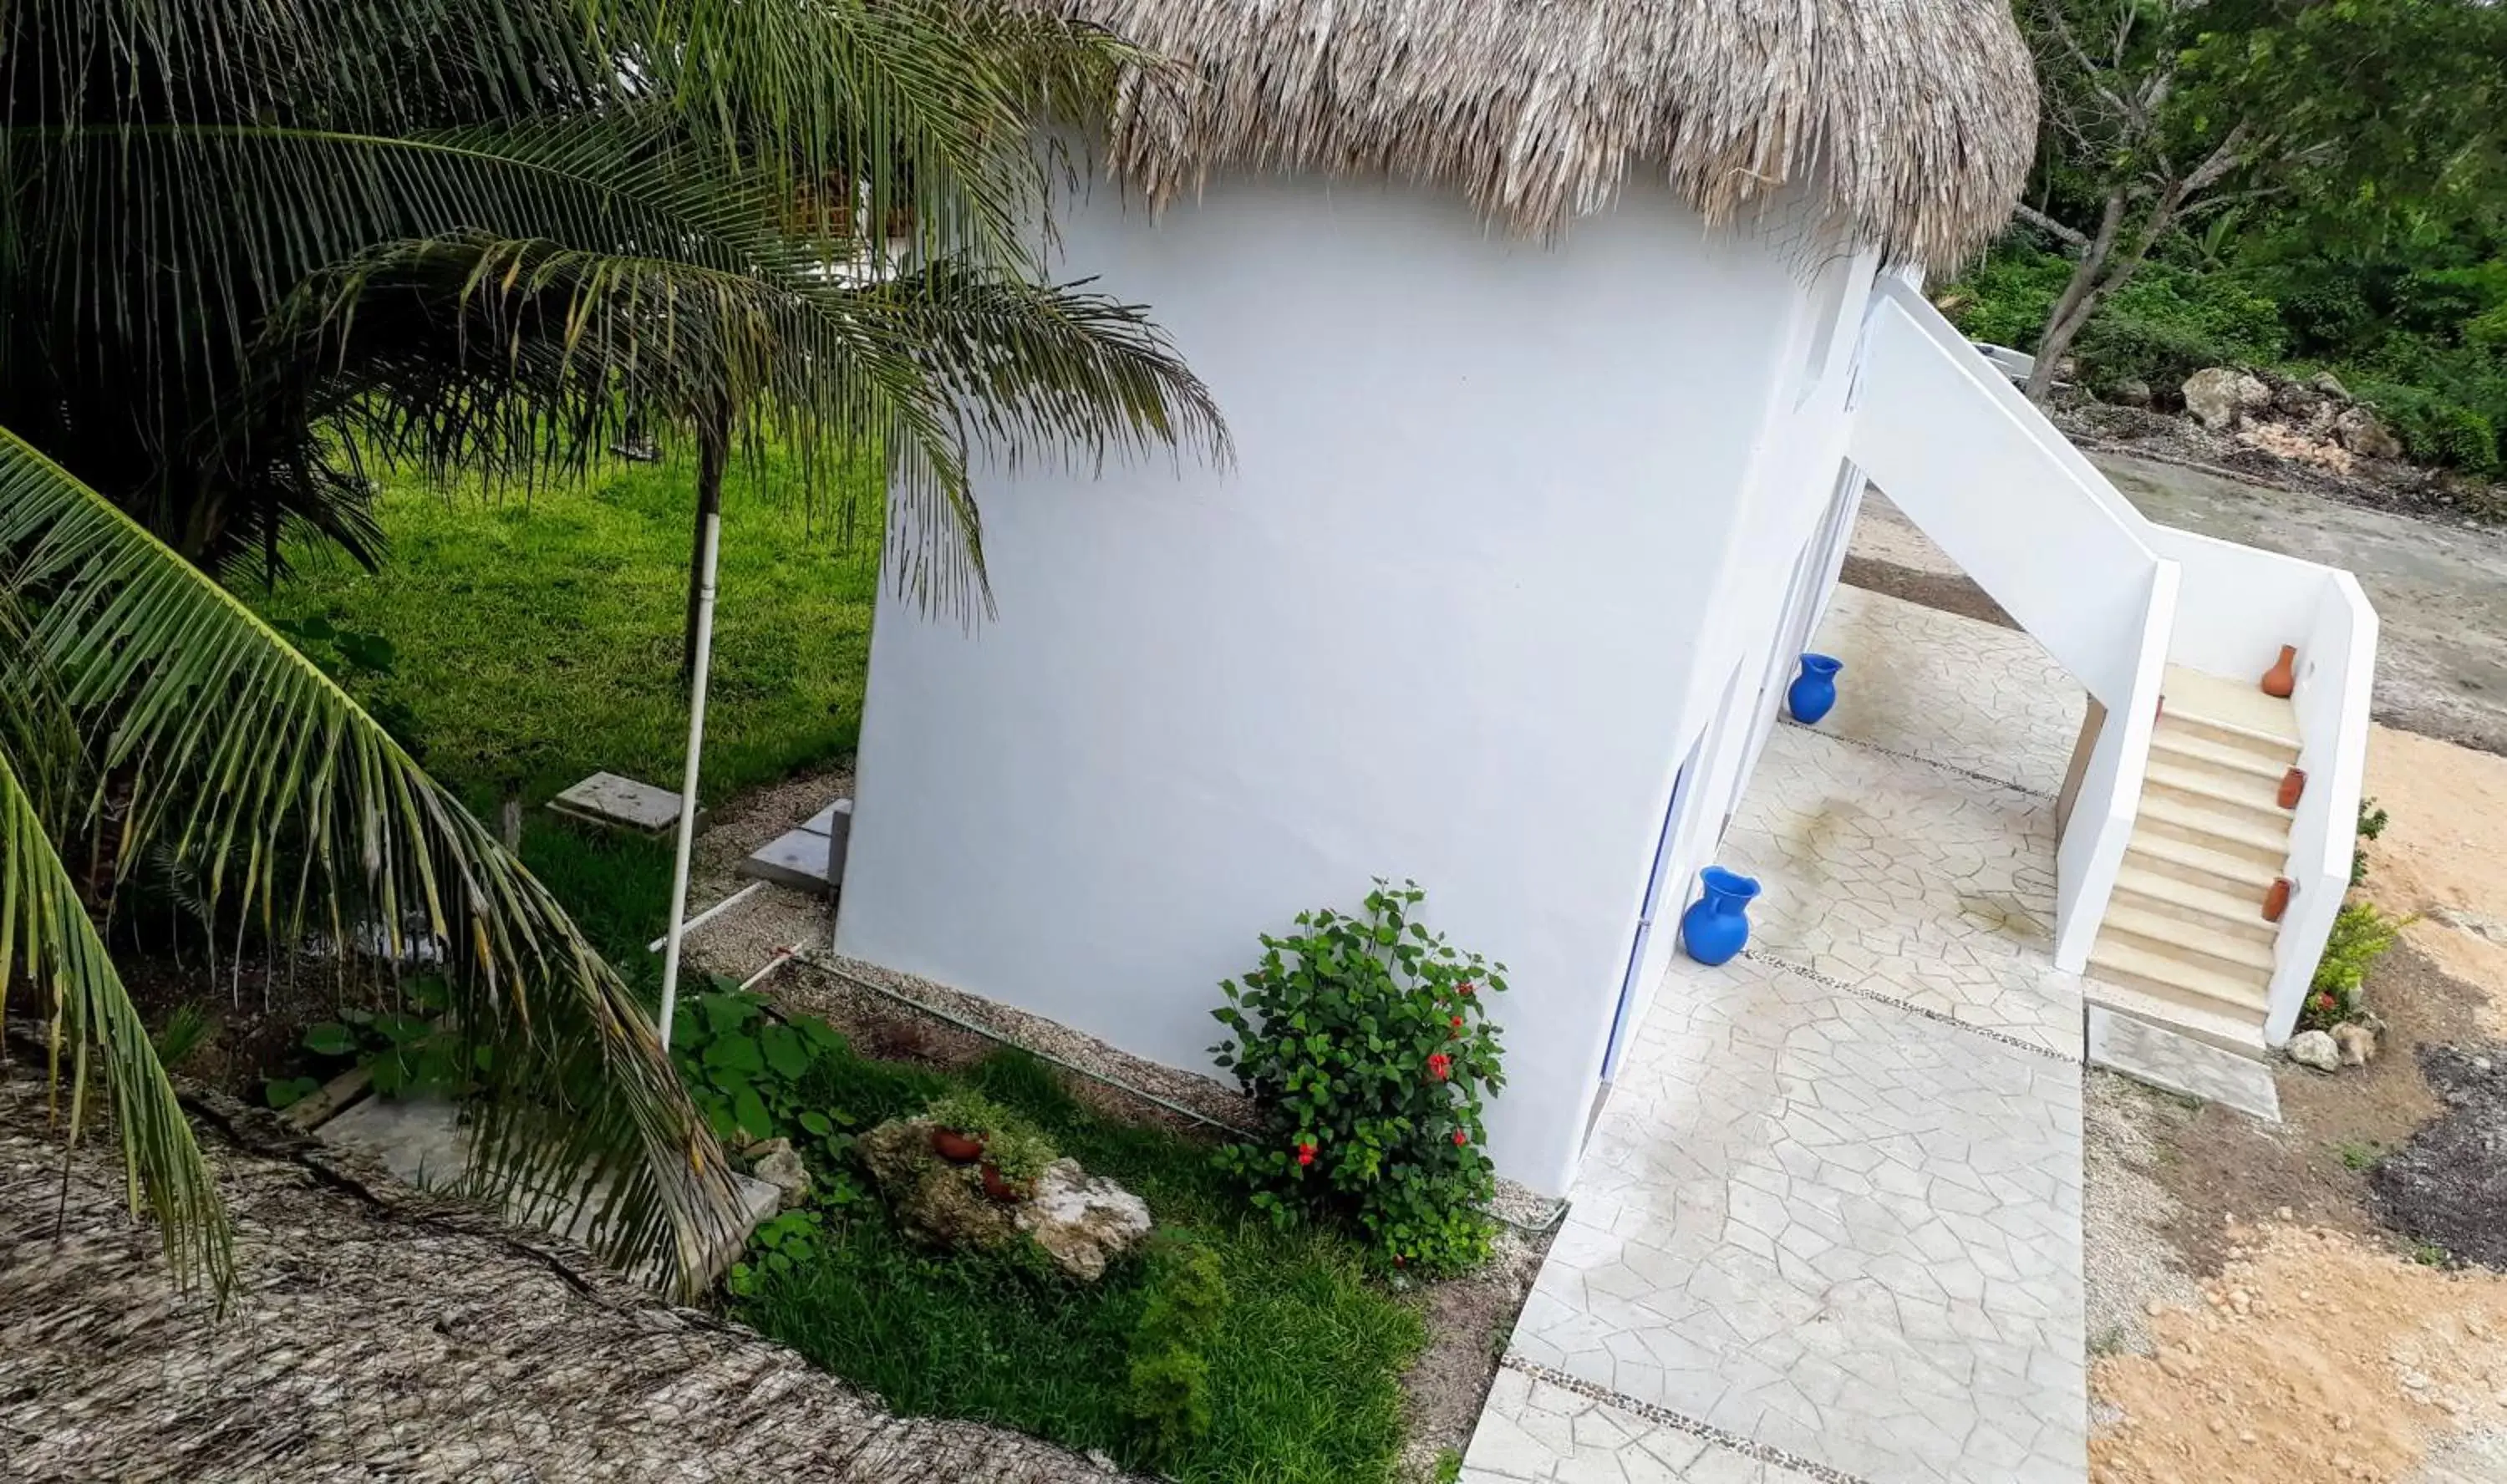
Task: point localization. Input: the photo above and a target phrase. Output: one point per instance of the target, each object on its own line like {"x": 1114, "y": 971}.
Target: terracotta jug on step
{"x": 2282, "y": 677}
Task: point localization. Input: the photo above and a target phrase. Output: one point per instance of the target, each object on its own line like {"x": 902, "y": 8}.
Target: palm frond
{"x": 265, "y": 780}
{"x": 46, "y": 935}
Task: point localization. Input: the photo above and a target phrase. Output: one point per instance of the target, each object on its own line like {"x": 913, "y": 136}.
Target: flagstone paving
{"x": 1828, "y": 1225}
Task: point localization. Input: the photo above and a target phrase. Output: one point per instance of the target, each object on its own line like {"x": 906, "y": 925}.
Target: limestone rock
{"x": 1082, "y": 1221}
{"x": 2132, "y": 392}
{"x": 2314, "y": 1048}
{"x": 941, "y": 1203}
{"x": 2297, "y": 401}
{"x": 2218, "y": 395}
{"x": 2362, "y": 434}
{"x": 2357, "y": 1045}
{"x": 776, "y": 1161}
{"x": 2330, "y": 385}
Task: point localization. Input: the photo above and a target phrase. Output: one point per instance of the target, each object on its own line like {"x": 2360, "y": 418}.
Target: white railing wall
{"x": 1990, "y": 480}
{"x": 2091, "y": 855}
{"x": 2337, "y": 667}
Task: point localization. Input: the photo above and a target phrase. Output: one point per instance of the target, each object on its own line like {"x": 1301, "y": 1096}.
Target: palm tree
{"x": 248, "y": 244}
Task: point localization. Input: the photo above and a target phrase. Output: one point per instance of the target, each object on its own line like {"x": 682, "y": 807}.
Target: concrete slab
{"x": 2180, "y": 1064}
{"x": 606, "y": 798}
{"x": 424, "y": 1143}
{"x": 810, "y": 857}
{"x": 797, "y": 858}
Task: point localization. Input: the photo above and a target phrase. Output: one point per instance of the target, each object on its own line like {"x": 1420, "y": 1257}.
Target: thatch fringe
{"x": 1911, "y": 122}
{"x": 377, "y": 1333}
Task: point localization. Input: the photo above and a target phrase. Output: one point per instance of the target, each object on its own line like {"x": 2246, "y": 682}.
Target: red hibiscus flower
{"x": 1461, "y": 1139}
{"x": 1305, "y": 1154}
{"x": 1441, "y": 1065}
{"x": 1463, "y": 989}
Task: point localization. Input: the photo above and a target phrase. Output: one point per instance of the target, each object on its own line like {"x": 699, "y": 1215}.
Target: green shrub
{"x": 758, "y": 1076}
{"x": 2372, "y": 823}
{"x": 1169, "y": 1373}
{"x": 1018, "y": 1153}
{"x": 2438, "y": 427}
{"x": 970, "y": 1113}
{"x": 2361, "y": 935}
{"x": 1366, "y": 1043}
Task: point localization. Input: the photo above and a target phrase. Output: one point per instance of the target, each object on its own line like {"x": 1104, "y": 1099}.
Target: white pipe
{"x": 710, "y": 914}
{"x": 688, "y": 781}
{"x": 783, "y": 957}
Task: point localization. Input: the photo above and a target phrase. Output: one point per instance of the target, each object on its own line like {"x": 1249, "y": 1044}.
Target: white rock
{"x": 776, "y": 1161}
{"x": 2216, "y": 394}
{"x": 2314, "y": 1048}
{"x": 2356, "y": 1043}
{"x": 2362, "y": 434}
{"x": 1082, "y": 1221}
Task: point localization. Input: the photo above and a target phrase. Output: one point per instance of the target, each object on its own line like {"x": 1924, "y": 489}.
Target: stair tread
{"x": 2192, "y": 746}
{"x": 2219, "y": 901}
{"x": 2241, "y": 1031}
{"x": 2185, "y": 939}
{"x": 2195, "y": 857}
{"x": 2222, "y": 823}
{"x": 2248, "y": 792}
{"x": 2248, "y": 992}
{"x": 2234, "y": 706}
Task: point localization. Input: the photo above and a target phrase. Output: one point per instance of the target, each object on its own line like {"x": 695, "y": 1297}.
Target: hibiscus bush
{"x": 1366, "y": 1042}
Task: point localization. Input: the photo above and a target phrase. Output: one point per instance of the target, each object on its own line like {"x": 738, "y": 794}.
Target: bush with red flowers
{"x": 1366, "y": 1041}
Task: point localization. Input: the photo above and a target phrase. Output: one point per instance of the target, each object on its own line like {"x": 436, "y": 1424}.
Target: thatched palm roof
{"x": 382, "y": 1333}
{"x": 1911, "y": 122}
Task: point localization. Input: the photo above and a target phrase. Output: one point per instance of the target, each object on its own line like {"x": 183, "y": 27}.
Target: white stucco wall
{"x": 1453, "y": 616}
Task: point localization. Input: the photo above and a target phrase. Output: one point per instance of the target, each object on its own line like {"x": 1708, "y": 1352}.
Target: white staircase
{"x": 2185, "y": 943}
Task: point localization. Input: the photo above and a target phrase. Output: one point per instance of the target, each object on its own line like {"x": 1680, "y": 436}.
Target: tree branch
{"x": 2047, "y": 225}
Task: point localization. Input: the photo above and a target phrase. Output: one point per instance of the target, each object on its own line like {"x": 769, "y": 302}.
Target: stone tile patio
{"x": 1828, "y": 1225}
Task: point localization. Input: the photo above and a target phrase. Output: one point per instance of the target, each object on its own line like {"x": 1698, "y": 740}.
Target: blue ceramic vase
{"x": 1814, "y": 690}
{"x": 1717, "y": 925}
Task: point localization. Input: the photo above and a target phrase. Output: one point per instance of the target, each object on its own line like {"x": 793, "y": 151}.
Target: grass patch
{"x": 1304, "y": 1389}
{"x": 537, "y": 641}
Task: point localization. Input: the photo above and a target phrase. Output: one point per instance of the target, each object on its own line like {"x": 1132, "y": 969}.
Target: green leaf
{"x": 818, "y": 1124}
{"x": 749, "y": 1111}
{"x": 784, "y": 1051}
{"x": 330, "y": 1038}
{"x": 737, "y": 1054}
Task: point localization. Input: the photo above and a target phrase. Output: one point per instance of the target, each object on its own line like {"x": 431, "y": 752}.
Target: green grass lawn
{"x": 1304, "y": 1380}
{"x": 536, "y": 641}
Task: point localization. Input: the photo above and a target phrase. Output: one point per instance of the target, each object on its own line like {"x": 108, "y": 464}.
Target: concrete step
{"x": 2245, "y": 796}
{"x": 2167, "y": 1058}
{"x": 2217, "y": 830}
{"x": 2213, "y": 906}
{"x": 2199, "y": 864}
{"x": 2184, "y": 744}
{"x": 2238, "y": 1031}
{"x": 2234, "y": 711}
{"x": 2207, "y": 984}
{"x": 2173, "y": 937}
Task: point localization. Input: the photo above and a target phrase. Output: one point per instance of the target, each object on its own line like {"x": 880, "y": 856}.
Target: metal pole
{"x": 700, "y": 674}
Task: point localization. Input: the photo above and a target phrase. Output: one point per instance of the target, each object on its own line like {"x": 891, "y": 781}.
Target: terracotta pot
{"x": 2293, "y": 785}
{"x": 2276, "y": 898}
{"x": 1000, "y": 1189}
{"x": 956, "y": 1147}
{"x": 2283, "y": 678}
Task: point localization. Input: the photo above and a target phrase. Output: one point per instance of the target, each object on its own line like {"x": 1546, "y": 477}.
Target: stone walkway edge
{"x": 1895, "y": 1003}
{"x": 1665, "y": 1416}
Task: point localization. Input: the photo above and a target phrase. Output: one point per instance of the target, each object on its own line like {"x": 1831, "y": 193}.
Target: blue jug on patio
{"x": 1814, "y": 690}
{"x": 1717, "y": 925}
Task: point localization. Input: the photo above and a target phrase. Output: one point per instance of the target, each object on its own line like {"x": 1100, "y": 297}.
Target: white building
{"x": 1557, "y": 342}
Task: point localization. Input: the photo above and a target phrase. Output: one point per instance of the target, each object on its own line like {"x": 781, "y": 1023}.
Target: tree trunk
{"x": 2080, "y": 300}
{"x": 713, "y": 450}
